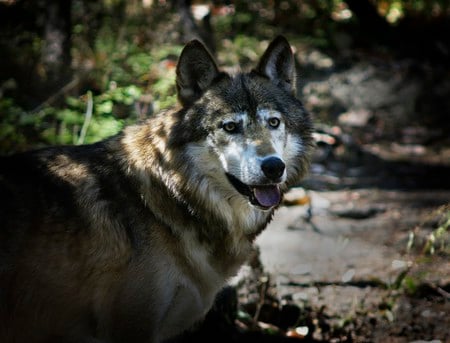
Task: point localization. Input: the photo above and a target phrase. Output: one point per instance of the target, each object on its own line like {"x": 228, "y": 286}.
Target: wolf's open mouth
{"x": 264, "y": 196}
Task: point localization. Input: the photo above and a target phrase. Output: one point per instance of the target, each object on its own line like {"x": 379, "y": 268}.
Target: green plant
{"x": 13, "y": 116}
{"x": 410, "y": 279}
{"x": 437, "y": 240}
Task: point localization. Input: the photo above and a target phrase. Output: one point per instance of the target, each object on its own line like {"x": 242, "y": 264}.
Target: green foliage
{"x": 12, "y": 139}
{"x": 121, "y": 73}
{"x": 139, "y": 63}
{"x": 104, "y": 122}
{"x": 242, "y": 50}
{"x": 414, "y": 8}
{"x": 118, "y": 55}
{"x": 438, "y": 240}
{"x": 21, "y": 130}
{"x": 412, "y": 278}
{"x": 164, "y": 92}
{"x": 162, "y": 76}
{"x": 410, "y": 284}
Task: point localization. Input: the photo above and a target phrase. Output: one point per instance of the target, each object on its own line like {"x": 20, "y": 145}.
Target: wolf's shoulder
{"x": 58, "y": 175}
{"x": 45, "y": 161}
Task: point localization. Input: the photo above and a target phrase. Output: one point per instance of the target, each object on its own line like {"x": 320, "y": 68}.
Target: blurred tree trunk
{"x": 190, "y": 29}
{"x": 364, "y": 9}
{"x": 369, "y": 18}
{"x": 56, "y": 57}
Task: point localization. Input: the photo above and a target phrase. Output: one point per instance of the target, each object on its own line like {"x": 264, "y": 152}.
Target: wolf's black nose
{"x": 273, "y": 168}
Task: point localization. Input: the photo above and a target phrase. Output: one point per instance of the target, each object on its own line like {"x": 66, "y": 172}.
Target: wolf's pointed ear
{"x": 196, "y": 70}
{"x": 277, "y": 63}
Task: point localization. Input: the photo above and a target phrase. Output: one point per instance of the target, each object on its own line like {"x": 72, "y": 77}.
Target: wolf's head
{"x": 247, "y": 133}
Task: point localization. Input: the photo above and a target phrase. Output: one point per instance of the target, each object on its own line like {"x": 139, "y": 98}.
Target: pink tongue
{"x": 267, "y": 196}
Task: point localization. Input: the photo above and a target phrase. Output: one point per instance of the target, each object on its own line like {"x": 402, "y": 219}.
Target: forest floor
{"x": 355, "y": 254}
{"x": 357, "y": 265}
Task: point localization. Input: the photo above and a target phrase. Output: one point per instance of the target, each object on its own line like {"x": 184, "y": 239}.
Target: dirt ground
{"x": 357, "y": 264}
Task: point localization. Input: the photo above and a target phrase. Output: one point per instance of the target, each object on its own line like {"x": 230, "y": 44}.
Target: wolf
{"x": 131, "y": 238}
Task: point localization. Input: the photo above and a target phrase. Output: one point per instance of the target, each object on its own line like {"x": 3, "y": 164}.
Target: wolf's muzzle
{"x": 273, "y": 168}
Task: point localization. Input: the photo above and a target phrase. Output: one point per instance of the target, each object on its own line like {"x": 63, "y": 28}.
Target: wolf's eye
{"x": 230, "y": 126}
{"x": 274, "y": 122}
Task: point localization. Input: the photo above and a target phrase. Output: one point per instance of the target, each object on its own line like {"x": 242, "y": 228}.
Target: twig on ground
{"x": 87, "y": 118}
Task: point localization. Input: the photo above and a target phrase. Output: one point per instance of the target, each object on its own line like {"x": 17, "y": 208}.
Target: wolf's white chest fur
{"x": 190, "y": 297}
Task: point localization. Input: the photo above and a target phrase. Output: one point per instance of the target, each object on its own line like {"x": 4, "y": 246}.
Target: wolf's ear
{"x": 277, "y": 63}
{"x": 196, "y": 70}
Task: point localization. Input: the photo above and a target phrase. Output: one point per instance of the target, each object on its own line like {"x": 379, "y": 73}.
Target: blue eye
{"x": 274, "y": 122}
